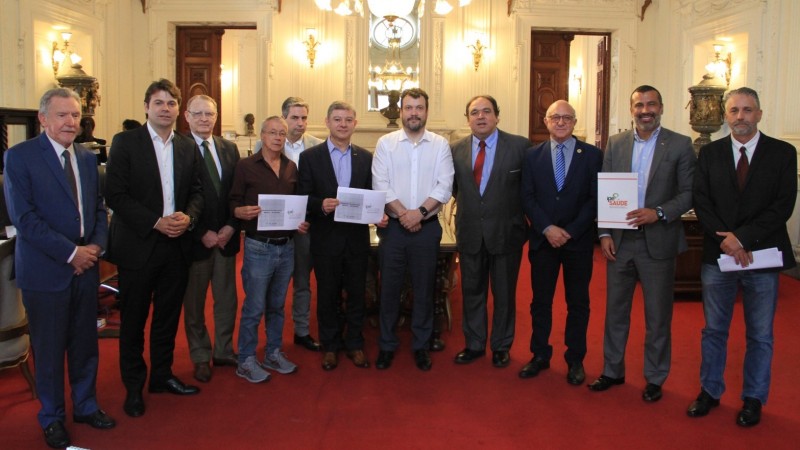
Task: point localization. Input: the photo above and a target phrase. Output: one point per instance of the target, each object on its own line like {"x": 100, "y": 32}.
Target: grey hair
{"x": 44, "y": 103}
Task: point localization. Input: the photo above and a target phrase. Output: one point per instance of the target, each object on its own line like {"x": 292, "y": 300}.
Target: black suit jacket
{"x": 756, "y": 216}
{"x": 133, "y": 193}
{"x": 574, "y": 208}
{"x": 318, "y": 181}
{"x": 216, "y": 208}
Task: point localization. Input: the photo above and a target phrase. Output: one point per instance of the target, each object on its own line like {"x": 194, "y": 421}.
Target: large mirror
{"x": 393, "y": 51}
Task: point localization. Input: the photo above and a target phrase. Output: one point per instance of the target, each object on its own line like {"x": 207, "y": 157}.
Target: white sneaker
{"x": 251, "y": 371}
{"x": 277, "y": 361}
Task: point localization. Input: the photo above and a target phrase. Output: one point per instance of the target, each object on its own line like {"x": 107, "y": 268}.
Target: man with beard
{"x": 744, "y": 192}
{"x": 415, "y": 169}
{"x": 664, "y": 161}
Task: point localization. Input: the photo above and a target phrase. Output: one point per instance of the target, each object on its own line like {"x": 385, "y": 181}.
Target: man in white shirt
{"x": 415, "y": 169}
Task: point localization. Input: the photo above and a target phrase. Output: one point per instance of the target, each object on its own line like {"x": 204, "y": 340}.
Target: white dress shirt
{"x": 165, "y": 168}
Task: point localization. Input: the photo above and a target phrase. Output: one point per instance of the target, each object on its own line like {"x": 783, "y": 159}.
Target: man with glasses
{"x": 215, "y": 245}
{"x": 559, "y": 195}
{"x": 664, "y": 161}
{"x": 490, "y": 228}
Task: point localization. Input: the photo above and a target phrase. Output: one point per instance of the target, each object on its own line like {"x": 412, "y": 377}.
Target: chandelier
{"x": 343, "y": 8}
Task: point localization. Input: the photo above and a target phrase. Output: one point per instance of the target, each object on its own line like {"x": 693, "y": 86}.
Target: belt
{"x": 269, "y": 240}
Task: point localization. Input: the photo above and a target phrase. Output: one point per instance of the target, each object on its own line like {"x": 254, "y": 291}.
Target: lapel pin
{"x": 580, "y": 151}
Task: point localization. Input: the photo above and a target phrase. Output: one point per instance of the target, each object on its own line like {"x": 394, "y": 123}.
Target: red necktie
{"x": 741, "y": 168}
{"x": 477, "y": 171}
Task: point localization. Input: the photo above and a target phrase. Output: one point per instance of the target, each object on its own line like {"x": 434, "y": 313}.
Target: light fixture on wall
{"x": 443, "y": 7}
{"x": 343, "y": 7}
{"x": 64, "y": 53}
{"x": 576, "y": 79}
{"x": 720, "y": 67}
{"x": 311, "y": 44}
{"x": 391, "y": 9}
{"x": 706, "y": 111}
{"x": 478, "y": 49}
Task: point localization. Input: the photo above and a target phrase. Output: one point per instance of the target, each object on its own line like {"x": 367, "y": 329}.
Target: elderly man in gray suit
{"x": 665, "y": 162}
{"x": 490, "y": 228}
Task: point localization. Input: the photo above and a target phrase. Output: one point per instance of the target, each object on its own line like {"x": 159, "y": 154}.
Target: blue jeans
{"x": 266, "y": 271}
{"x": 760, "y": 298}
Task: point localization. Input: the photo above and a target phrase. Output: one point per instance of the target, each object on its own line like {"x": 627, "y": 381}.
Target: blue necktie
{"x": 560, "y": 166}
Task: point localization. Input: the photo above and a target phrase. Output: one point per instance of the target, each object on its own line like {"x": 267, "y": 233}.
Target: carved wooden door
{"x": 601, "y": 113}
{"x": 549, "y": 77}
{"x": 198, "y": 58}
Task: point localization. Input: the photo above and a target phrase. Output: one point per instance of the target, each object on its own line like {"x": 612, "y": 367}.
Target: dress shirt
{"x": 292, "y": 150}
{"x": 342, "y": 164}
{"x": 199, "y": 141}
{"x": 641, "y": 160}
{"x": 488, "y": 162}
{"x": 165, "y": 168}
{"x": 59, "y": 149}
{"x": 411, "y": 172}
{"x": 569, "y": 150}
{"x": 750, "y": 148}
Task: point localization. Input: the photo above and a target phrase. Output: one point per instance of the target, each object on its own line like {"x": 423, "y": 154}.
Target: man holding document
{"x": 340, "y": 238}
{"x": 744, "y": 192}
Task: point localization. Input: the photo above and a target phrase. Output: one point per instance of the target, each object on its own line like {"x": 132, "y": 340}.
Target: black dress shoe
{"x": 604, "y": 382}
{"x": 174, "y": 386}
{"x": 232, "y": 361}
{"x": 576, "y": 375}
{"x": 702, "y": 405}
{"x": 308, "y": 342}
{"x": 384, "y": 360}
{"x": 202, "y": 372}
{"x": 437, "y": 345}
{"x": 750, "y": 414}
{"x": 98, "y": 419}
{"x": 466, "y": 356}
{"x": 533, "y": 368}
{"x": 134, "y": 404}
{"x": 651, "y": 393}
{"x": 56, "y": 435}
{"x": 422, "y": 358}
{"x": 500, "y": 359}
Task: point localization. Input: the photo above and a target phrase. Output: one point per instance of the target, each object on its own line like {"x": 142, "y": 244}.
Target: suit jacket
{"x": 318, "y": 181}
{"x": 669, "y": 185}
{"x": 496, "y": 218}
{"x": 133, "y": 192}
{"x": 216, "y": 210}
{"x": 574, "y": 208}
{"x": 756, "y": 216}
{"x": 41, "y": 207}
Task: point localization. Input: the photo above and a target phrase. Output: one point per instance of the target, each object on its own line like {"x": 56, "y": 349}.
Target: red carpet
{"x": 474, "y": 406}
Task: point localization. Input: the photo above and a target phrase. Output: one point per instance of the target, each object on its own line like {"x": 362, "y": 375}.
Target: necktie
{"x": 212, "y": 168}
{"x": 70, "y": 175}
{"x": 477, "y": 171}
{"x": 560, "y": 167}
{"x": 741, "y": 168}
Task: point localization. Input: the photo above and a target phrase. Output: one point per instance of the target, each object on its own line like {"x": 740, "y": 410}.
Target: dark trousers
{"x": 546, "y": 262}
{"x": 348, "y": 271}
{"x": 400, "y": 250}
{"x": 161, "y": 281}
{"x": 65, "y": 323}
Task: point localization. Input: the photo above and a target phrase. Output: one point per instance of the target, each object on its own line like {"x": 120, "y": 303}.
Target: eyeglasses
{"x": 555, "y": 118}
{"x": 205, "y": 114}
{"x": 277, "y": 133}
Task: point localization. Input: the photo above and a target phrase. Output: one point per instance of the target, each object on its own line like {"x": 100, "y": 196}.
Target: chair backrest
{"x": 14, "y": 340}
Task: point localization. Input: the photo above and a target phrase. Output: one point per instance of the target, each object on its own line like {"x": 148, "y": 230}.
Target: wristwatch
{"x": 660, "y": 213}
{"x": 424, "y": 211}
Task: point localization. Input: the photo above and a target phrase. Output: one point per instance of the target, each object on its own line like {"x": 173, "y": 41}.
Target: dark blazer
{"x": 318, "y": 181}
{"x": 756, "y": 216}
{"x": 133, "y": 193}
{"x": 496, "y": 218}
{"x": 574, "y": 208}
{"x": 216, "y": 209}
{"x": 41, "y": 207}
{"x": 669, "y": 185}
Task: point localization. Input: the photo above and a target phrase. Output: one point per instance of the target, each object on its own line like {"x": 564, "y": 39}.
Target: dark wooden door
{"x": 549, "y": 77}
{"x": 198, "y": 58}
{"x": 603, "y": 81}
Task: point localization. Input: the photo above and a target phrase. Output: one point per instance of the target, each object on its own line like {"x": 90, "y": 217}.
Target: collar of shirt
{"x": 569, "y": 146}
{"x": 59, "y": 149}
{"x": 491, "y": 141}
{"x": 426, "y": 136}
{"x": 199, "y": 141}
{"x": 332, "y": 147}
{"x": 750, "y": 147}
{"x": 652, "y": 136}
{"x": 154, "y": 135}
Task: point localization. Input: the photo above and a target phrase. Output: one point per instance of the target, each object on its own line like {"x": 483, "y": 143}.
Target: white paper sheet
{"x": 617, "y": 195}
{"x": 762, "y": 259}
{"x": 281, "y": 212}
{"x": 359, "y": 205}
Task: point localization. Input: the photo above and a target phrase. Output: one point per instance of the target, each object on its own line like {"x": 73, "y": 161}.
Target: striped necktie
{"x": 560, "y": 166}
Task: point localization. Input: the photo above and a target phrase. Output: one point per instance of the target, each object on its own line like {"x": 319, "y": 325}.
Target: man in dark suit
{"x": 664, "y": 161}
{"x": 340, "y": 249}
{"x": 215, "y": 245}
{"x": 490, "y": 228}
{"x": 153, "y": 188}
{"x": 559, "y": 195}
{"x": 53, "y": 196}
{"x": 744, "y": 192}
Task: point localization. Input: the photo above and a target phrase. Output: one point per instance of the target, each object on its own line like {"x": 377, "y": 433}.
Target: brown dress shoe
{"x": 359, "y": 358}
{"x": 329, "y": 361}
{"x": 202, "y": 372}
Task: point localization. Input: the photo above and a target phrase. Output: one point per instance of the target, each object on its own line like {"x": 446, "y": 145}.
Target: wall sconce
{"x": 720, "y": 67}
{"x": 311, "y": 45}
{"x": 477, "y": 50}
{"x": 577, "y": 80}
{"x": 60, "y": 54}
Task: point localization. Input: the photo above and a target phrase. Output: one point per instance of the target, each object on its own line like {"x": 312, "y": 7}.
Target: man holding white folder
{"x": 744, "y": 192}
